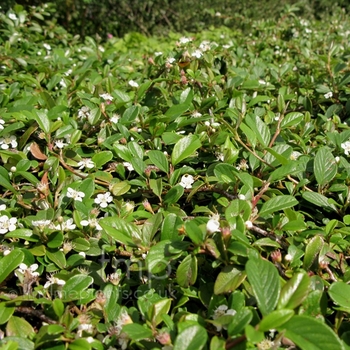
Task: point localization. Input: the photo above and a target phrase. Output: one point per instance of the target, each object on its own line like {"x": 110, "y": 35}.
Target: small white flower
{"x": 103, "y": 199}
{"x": 84, "y": 112}
{"x": 2, "y": 122}
{"x": 63, "y": 83}
{"x": 243, "y": 165}
{"x": 288, "y": 257}
{"x": 47, "y": 46}
{"x": 346, "y": 147}
{"x": 76, "y": 195}
{"x": 262, "y": 82}
{"x": 133, "y": 83}
{"x": 337, "y": 159}
{"x": 7, "y": 224}
{"x": 184, "y": 40}
{"x": 13, "y": 169}
{"x": 82, "y": 254}
{"x": 248, "y": 224}
{"x": 158, "y": 54}
{"x": 54, "y": 280}
{"x": 66, "y": 225}
{"x": 30, "y": 270}
{"x": 92, "y": 222}
{"x": 295, "y": 155}
{"x": 7, "y": 140}
{"x": 107, "y": 97}
{"x": 197, "y": 54}
{"x": 12, "y": 16}
{"x": 128, "y": 166}
{"x": 220, "y": 156}
{"x": 241, "y": 197}
{"x": 220, "y": 311}
{"x": 2, "y": 207}
{"x": 213, "y": 226}
{"x": 41, "y": 223}
{"x": 196, "y": 114}
{"x": 86, "y": 163}
{"x": 115, "y": 118}
{"x": 170, "y": 60}
{"x": 187, "y": 181}
{"x": 60, "y": 144}
{"x": 328, "y": 94}
{"x": 204, "y": 46}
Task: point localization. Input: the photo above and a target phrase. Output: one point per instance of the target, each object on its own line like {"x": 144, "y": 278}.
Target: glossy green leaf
{"x": 120, "y": 188}
{"x": 291, "y": 119}
{"x": 136, "y": 332}
{"x": 6, "y": 312}
{"x": 325, "y": 166}
{"x": 10, "y": 262}
{"x": 340, "y": 294}
{"x": 275, "y": 319}
{"x": 157, "y": 310}
{"x": 192, "y": 336}
{"x": 101, "y": 158}
{"x": 185, "y": 148}
{"x": 186, "y": 273}
{"x": 57, "y": 257}
{"x": 159, "y": 159}
{"x": 111, "y": 306}
{"x": 312, "y": 250}
{"x": 19, "y": 327}
{"x": 311, "y": 334}
{"x": 55, "y": 239}
{"x": 75, "y": 287}
{"x": 318, "y": 199}
{"x": 225, "y": 173}
{"x": 170, "y": 228}
{"x": 228, "y": 280}
{"x": 294, "y": 291}
{"x": 43, "y": 120}
{"x": 174, "y": 194}
{"x": 277, "y": 203}
{"x": 264, "y": 279}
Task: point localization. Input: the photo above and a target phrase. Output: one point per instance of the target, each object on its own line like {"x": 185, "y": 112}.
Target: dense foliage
{"x": 181, "y": 193}
{"x": 159, "y": 17}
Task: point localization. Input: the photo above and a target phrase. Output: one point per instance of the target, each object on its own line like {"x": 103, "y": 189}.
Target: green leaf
{"x": 325, "y": 166}
{"x": 275, "y": 319}
{"x": 185, "y": 148}
{"x": 264, "y": 279}
{"x": 22, "y": 233}
{"x": 120, "y": 188}
{"x": 311, "y": 251}
{"x": 136, "y": 332}
{"x": 174, "y": 194}
{"x": 159, "y": 159}
{"x": 94, "y": 115}
{"x": 170, "y": 228}
{"x": 193, "y": 336}
{"x": 101, "y": 158}
{"x": 156, "y": 186}
{"x": 18, "y": 327}
{"x": 57, "y": 257}
{"x": 10, "y": 262}
{"x": 318, "y": 199}
{"x": 294, "y": 291}
{"x": 292, "y": 119}
{"x": 5, "y": 312}
{"x": 111, "y": 306}
{"x": 226, "y": 173}
{"x": 340, "y": 294}
{"x": 6, "y": 184}
{"x": 239, "y": 321}
{"x": 157, "y": 310}
{"x": 228, "y": 280}
{"x": 309, "y": 333}
{"x": 277, "y": 203}
{"x": 55, "y": 239}
{"x": 177, "y": 110}
{"x": 75, "y": 287}
{"x": 186, "y": 273}
{"x": 43, "y": 120}
{"x": 58, "y": 307}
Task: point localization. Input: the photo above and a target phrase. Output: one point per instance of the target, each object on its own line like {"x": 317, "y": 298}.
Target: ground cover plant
{"x": 188, "y": 192}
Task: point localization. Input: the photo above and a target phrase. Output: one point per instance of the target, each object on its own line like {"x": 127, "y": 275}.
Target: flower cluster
{"x": 7, "y": 224}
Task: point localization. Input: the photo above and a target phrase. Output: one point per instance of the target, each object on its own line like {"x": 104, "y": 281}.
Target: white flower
{"x": 241, "y": 197}
{"x": 220, "y": 311}
{"x": 47, "y": 46}
{"x": 7, "y": 224}
{"x": 187, "y": 181}
{"x": 170, "y": 60}
{"x": 84, "y": 112}
{"x": 262, "y": 82}
{"x": 220, "y": 156}
{"x": 346, "y": 147}
{"x": 158, "y": 54}
{"x": 66, "y": 225}
{"x": 213, "y": 224}
{"x": 60, "y": 144}
{"x": 328, "y": 94}
{"x": 197, "y": 54}
{"x": 196, "y": 114}
{"x": 1, "y": 124}
{"x": 54, "y": 280}
{"x": 7, "y": 140}
{"x": 92, "y": 222}
{"x": 295, "y": 155}
{"x": 30, "y": 270}
{"x": 63, "y": 83}
{"x": 76, "y": 195}
{"x": 12, "y": 16}
{"x": 184, "y": 40}
{"x": 115, "y": 118}
{"x": 41, "y": 223}
{"x": 243, "y": 165}
{"x": 133, "y": 83}
{"x": 103, "y": 199}
{"x": 248, "y": 224}
{"x": 288, "y": 257}
{"x": 2, "y": 207}
{"x": 128, "y": 166}
{"x": 86, "y": 163}
{"x": 337, "y": 159}
{"x": 107, "y": 97}
{"x": 129, "y": 206}
{"x": 204, "y": 45}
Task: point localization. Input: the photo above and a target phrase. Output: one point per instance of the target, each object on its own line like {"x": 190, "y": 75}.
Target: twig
{"x": 36, "y": 313}
{"x": 269, "y": 235}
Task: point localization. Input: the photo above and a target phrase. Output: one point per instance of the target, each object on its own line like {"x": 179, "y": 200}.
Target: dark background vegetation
{"x": 158, "y": 17}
